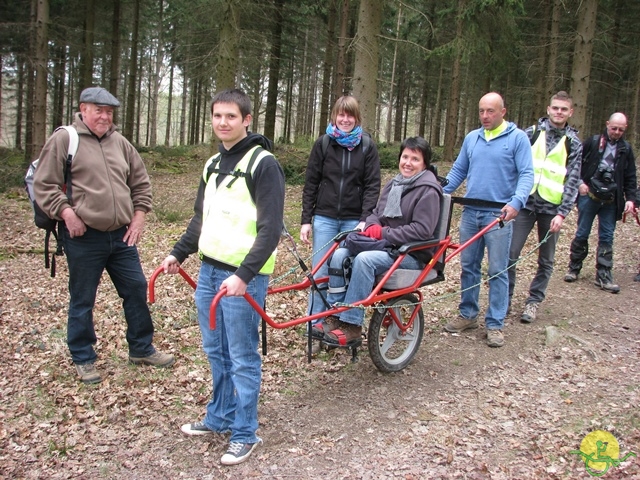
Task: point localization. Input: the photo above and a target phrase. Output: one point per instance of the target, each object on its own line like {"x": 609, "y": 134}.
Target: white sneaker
{"x": 238, "y": 452}
{"x": 197, "y": 428}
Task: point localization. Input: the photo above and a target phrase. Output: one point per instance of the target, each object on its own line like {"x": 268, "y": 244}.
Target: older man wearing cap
{"x": 102, "y": 220}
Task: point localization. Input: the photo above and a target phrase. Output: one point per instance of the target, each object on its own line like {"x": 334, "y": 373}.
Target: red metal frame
{"x": 376, "y": 296}
{"x": 635, "y": 215}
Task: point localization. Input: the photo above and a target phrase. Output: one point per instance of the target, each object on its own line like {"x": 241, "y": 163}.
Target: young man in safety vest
{"x": 557, "y": 153}
{"x": 236, "y": 228}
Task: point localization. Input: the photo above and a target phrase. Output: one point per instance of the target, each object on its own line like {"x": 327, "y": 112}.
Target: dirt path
{"x": 460, "y": 410}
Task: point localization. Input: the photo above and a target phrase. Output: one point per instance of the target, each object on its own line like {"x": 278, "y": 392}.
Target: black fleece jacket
{"x": 343, "y": 185}
{"x": 267, "y": 190}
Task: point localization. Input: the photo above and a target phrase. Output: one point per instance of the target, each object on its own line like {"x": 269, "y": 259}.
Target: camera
{"x": 605, "y": 173}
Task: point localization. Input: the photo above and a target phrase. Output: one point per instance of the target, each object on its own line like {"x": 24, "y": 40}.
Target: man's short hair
{"x": 562, "y": 95}
{"x": 419, "y": 144}
{"x": 233, "y": 95}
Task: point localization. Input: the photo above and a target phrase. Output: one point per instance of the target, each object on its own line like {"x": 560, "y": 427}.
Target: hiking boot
{"x": 607, "y": 285}
{"x": 460, "y": 324}
{"x": 238, "y": 452}
{"x": 197, "y": 428}
{"x": 88, "y": 373}
{"x": 156, "y": 359}
{"x": 571, "y": 276}
{"x": 322, "y": 327}
{"x": 349, "y": 334}
{"x": 495, "y": 338}
{"x": 637, "y": 278}
{"x": 529, "y": 314}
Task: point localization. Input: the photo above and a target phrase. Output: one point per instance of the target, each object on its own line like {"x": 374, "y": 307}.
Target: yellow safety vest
{"x": 229, "y": 215}
{"x": 550, "y": 169}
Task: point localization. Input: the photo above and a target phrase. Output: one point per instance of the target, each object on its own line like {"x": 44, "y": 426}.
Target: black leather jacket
{"x": 624, "y": 173}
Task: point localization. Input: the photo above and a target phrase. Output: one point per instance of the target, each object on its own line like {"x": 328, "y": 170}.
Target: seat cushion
{"x": 403, "y": 278}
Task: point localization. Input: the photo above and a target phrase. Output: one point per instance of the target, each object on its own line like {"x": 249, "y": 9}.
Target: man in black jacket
{"x": 608, "y": 179}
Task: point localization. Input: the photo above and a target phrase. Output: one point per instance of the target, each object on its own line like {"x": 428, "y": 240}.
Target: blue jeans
{"x": 588, "y": 209}
{"x": 497, "y": 241}
{"x": 324, "y": 229}
{"x": 232, "y": 351}
{"x": 366, "y": 266}
{"x": 522, "y": 226}
{"x": 87, "y": 257}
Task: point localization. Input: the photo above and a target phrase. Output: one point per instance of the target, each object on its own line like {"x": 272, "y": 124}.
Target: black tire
{"x": 389, "y": 348}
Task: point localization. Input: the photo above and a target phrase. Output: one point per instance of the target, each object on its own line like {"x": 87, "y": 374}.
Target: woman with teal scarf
{"x": 341, "y": 187}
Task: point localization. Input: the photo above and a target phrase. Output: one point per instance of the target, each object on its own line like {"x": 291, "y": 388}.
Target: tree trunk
{"x": 114, "y": 69}
{"x": 255, "y": 81}
{"x": 436, "y": 123}
{"x": 288, "y": 108}
{"x": 365, "y": 72}
{"x": 299, "y": 127}
{"x": 39, "y": 133}
{"x": 155, "y": 79}
{"x": 540, "y": 85}
{"x": 31, "y": 78}
{"x": 274, "y": 70}
{"x": 339, "y": 80}
{"x": 424, "y": 98}
{"x": 454, "y": 96}
{"x": 167, "y": 133}
{"x": 86, "y": 59}
{"x": 1, "y": 135}
{"x": 59, "y": 68}
{"x": 183, "y": 110}
{"x": 138, "y": 96}
{"x": 325, "y": 97}
{"x": 407, "y": 102}
{"x": 582, "y": 56}
{"x": 19, "y": 103}
{"x": 387, "y": 134}
{"x": 610, "y": 95}
{"x": 227, "y": 67}
{"x": 402, "y": 87}
{"x": 553, "y": 84}
{"x": 632, "y": 133}
{"x": 133, "y": 72}
{"x": 204, "y": 115}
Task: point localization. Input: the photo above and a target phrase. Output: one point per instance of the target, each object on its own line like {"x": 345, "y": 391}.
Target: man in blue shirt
{"x": 495, "y": 160}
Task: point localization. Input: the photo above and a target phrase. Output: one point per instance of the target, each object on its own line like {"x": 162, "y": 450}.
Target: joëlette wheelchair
{"x": 397, "y": 325}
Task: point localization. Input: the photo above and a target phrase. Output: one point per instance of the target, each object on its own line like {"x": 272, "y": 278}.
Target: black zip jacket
{"x": 624, "y": 172}
{"x": 345, "y": 185}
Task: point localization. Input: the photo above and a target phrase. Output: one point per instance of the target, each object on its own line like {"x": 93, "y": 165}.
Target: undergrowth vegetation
{"x": 180, "y": 159}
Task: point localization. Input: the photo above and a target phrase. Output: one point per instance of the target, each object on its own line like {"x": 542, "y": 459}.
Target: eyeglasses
{"x": 617, "y": 129}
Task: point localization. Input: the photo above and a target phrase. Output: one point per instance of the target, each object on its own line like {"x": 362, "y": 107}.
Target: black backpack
{"x": 41, "y": 219}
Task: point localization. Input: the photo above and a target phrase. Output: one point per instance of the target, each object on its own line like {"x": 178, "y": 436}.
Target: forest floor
{"x": 459, "y": 410}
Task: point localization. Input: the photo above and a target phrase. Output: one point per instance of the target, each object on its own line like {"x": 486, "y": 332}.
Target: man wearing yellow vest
{"x": 235, "y": 229}
{"x": 557, "y": 152}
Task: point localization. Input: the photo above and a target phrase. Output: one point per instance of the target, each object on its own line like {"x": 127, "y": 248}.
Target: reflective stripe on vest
{"x": 549, "y": 169}
{"x": 229, "y": 216}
